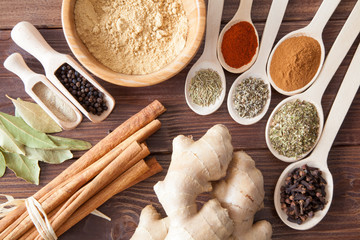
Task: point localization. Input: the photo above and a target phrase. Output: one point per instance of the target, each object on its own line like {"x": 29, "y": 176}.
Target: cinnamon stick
{"x": 134, "y": 151}
{"x": 121, "y": 133}
{"x": 131, "y": 177}
{"x": 94, "y": 169}
{"x": 120, "y": 184}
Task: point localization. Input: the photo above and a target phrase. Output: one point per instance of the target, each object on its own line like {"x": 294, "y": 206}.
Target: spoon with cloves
{"x": 318, "y": 158}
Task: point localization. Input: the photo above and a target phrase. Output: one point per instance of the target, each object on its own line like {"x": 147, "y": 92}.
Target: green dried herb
{"x": 294, "y": 128}
{"x": 205, "y": 87}
{"x": 22, "y": 147}
{"x": 250, "y": 97}
{"x": 35, "y": 116}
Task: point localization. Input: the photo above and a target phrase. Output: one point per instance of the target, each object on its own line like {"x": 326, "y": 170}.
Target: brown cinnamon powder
{"x": 295, "y": 62}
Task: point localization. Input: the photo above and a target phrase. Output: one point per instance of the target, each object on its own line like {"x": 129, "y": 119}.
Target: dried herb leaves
{"x": 22, "y": 146}
{"x": 250, "y": 97}
{"x": 35, "y": 116}
{"x": 205, "y": 87}
{"x": 294, "y": 128}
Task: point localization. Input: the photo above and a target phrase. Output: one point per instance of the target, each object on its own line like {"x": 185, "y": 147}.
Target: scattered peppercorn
{"x": 303, "y": 194}
{"x": 84, "y": 92}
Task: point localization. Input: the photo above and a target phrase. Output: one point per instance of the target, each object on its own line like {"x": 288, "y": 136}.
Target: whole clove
{"x": 303, "y": 194}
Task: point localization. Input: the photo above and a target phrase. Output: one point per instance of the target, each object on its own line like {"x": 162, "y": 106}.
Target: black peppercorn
{"x": 82, "y": 90}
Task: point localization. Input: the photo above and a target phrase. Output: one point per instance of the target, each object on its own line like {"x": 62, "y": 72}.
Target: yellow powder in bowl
{"x": 132, "y": 36}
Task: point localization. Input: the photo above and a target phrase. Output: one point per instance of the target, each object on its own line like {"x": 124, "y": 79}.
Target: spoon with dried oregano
{"x": 205, "y": 83}
{"x": 249, "y": 96}
{"x": 304, "y": 191}
{"x": 295, "y": 125}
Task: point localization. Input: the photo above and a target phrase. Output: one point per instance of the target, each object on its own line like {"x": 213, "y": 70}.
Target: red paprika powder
{"x": 239, "y": 44}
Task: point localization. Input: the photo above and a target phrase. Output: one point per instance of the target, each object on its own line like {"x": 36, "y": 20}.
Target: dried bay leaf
{"x": 2, "y": 164}
{"x": 69, "y": 144}
{"x": 35, "y": 116}
{"x": 23, "y": 167}
{"x": 48, "y": 156}
{"x": 24, "y": 133}
{"x": 9, "y": 143}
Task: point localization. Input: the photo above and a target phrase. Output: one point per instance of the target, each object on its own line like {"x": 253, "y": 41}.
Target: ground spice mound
{"x": 132, "y": 36}
{"x": 239, "y": 44}
{"x": 295, "y": 62}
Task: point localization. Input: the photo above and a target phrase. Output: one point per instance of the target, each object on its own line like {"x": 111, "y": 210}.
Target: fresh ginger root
{"x": 193, "y": 167}
{"x": 242, "y": 193}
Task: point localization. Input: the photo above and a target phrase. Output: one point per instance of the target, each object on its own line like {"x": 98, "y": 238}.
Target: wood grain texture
{"x": 343, "y": 219}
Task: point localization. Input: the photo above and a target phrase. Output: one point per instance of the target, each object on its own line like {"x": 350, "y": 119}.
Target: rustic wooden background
{"x": 343, "y": 218}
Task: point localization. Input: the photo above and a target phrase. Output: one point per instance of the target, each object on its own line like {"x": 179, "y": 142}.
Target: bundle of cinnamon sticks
{"x": 111, "y": 166}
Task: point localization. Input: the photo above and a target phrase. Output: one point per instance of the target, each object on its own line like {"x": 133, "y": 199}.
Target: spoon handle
{"x": 272, "y": 25}
{"x": 244, "y": 10}
{"x": 340, "y": 106}
{"x": 337, "y": 53}
{"x": 29, "y": 38}
{"x": 215, "y": 8}
{"x": 323, "y": 15}
{"x": 16, "y": 64}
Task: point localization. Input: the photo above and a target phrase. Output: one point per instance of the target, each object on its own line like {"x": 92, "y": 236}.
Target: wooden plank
{"x": 47, "y": 14}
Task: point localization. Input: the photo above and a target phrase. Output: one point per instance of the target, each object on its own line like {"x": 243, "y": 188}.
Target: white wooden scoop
{"x": 29, "y": 38}
{"x": 243, "y": 14}
{"x": 314, "y": 30}
{"x": 319, "y": 156}
{"x": 208, "y": 59}
{"x": 64, "y": 112}
{"x": 258, "y": 70}
{"x": 314, "y": 94}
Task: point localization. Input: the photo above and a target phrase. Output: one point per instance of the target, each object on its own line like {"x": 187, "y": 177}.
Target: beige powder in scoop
{"x": 132, "y": 36}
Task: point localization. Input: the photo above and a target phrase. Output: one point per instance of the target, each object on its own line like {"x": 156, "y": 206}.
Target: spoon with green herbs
{"x": 295, "y": 125}
{"x": 318, "y": 159}
{"x": 205, "y": 83}
{"x": 250, "y": 94}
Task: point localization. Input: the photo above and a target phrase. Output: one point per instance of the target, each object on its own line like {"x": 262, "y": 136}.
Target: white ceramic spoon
{"x": 258, "y": 70}
{"x": 243, "y": 14}
{"x": 29, "y": 38}
{"x": 314, "y": 94}
{"x": 208, "y": 59}
{"x": 319, "y": 156}
{"x": 67, "y": 116}
{"x": 314, "y": 30}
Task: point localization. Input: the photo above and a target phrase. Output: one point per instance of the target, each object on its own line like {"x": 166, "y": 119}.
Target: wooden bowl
{"x": 195, "y": 12}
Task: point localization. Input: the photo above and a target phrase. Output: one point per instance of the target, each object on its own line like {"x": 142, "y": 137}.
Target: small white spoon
{"x": 243, "y": 14}
{"x": 29, "y": 38}
{"x": 208, "y": 59}
{"x": 314, "y": 94}
{"x": 258, "y": 70}
{"x": 319, "y": 156}
{"x": 67, "y": 116}
{"x": 314, "y": 30}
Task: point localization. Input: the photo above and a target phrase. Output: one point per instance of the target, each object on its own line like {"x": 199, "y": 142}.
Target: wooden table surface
{"x": 343, "y": 218}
